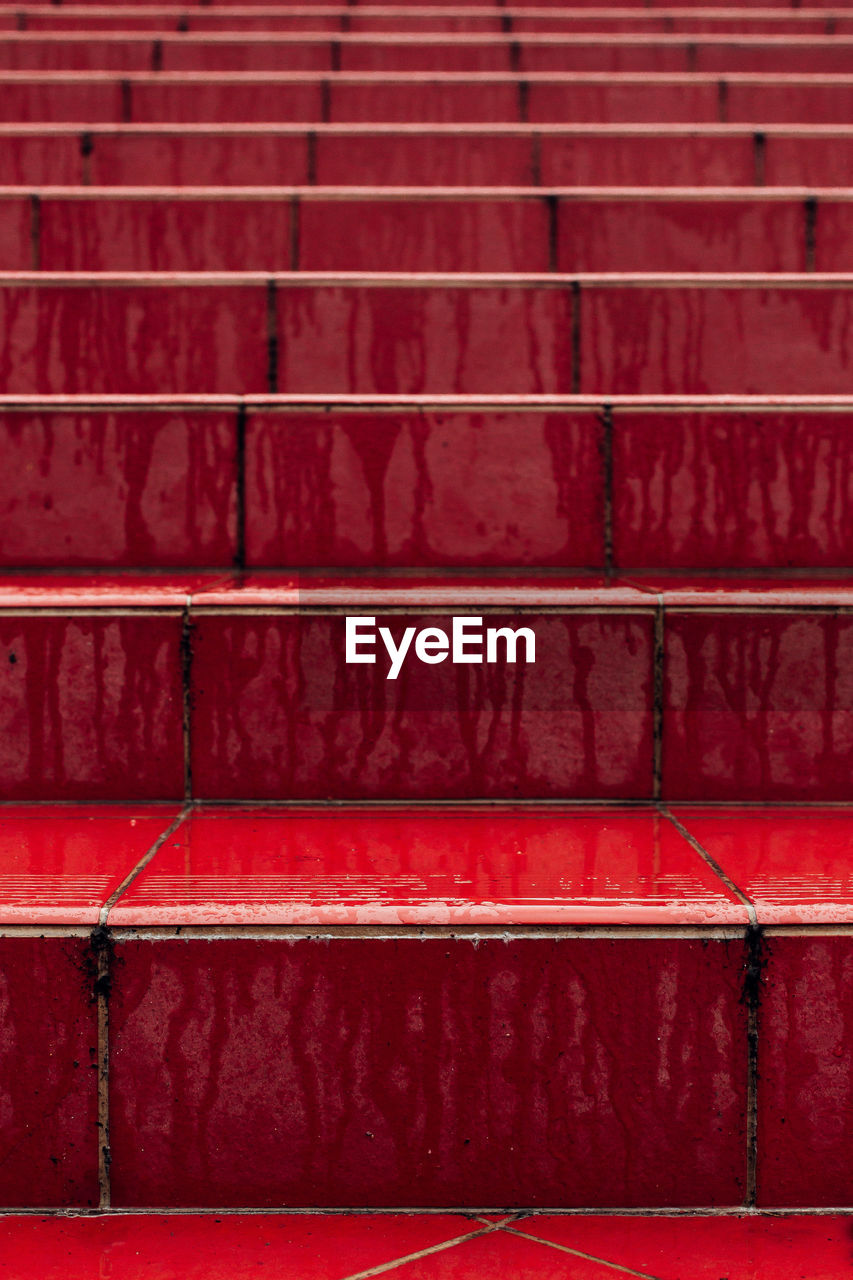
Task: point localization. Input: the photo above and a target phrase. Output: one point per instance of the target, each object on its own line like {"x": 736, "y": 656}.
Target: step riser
{"x": 272, "y": 710}
{"x": 30, "y": 52}
{"x": 606, "y": 100}
{"x": 519, "y": 338}
{"x": 521, "y": 234}
{"x": 432, "y": 489}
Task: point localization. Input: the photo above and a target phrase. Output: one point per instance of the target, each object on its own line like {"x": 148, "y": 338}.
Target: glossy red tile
{"x": 28, "y": 98}
{"x": 384, "y": 53}
{"x": 412, "y": 158}
{"x": 48, "y": 1073}
{"x": 279, "y": 713}
{"x": 224, "y": 157}
{"x": 39, "y": 157}
{"x": 802, "y": 158}
{"x": 360, "y": 99}
{"x": 608, "y": 98}
{"x": 134, "y": 488}
{"x": 125, "y": 591}
{"x": 27, "y": 51}
{"x": 792, "y": 863}
{"x": 427, "y": 1071}
{"x": 646, "y": 158}
{"x": 227, "y": 1247}
{"x": 660, "y": 233}
{"x": 60, "y": 864}
{"x": 411, "y": 234}
{"x": 90, "y": 707}
{"x": 757, "y": 706}
{"x": 442, "y": 339}
{"x": 260, "y": 51}
{"x": 803, "y": 1098}
{"x": 17, "y": 249}
{"x": 419, "y": 867}
{"x": 113, "y": 335}
{"x": 831, "y": 226}
{"x": 789, "y": 100}
{"x": 725, "y": 488}
{"x": 166, "y": 99}
{"x": 748, "y": 1248}
{"x": 502, "y": 1254}
{"x": 432, "y": 488}
{"x": 774, "y": 338}
{"x": 166, "y": 233}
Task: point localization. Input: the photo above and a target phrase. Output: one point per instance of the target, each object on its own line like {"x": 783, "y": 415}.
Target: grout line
{"x": 606, "y": 452}
{"x": 536, "y": 159}
{"x": 157, "y": 56}
{"x": 759, "y": 151}
{"x": 103, "y": 919}
{"x": 311, "y": 158}
{"x": 240, "y": 485}
{"x": 87, "y": 146}
{"x": 295, "y": 213}
{"x": 35, "y": 231}
{"x": 524, "y": 101}
{"x": 552, "y": 205}
{"x": 186, "y": 651}
{"x": 272, "y": 337}
{"x": 126, "y": 101}
{"x": 810, "y": 209}
{"x": 102, "y": 946}
{"x": 576, "y": 337}
{"x": 426, "y": 1253}
{"x": 723, "y": 101}
{"x": 713, "y": 864}
{"x": 658, "y": 660}
{"x": 578, "y": 1253}
{"x": 325, "y": 102}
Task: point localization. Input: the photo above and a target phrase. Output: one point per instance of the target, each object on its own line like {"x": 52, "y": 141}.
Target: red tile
{"x": 443, "y": 339}
{"x": 280, "y": 714}
{"x": 592, "y": 53}
{"x": 426, "y": 100}
{"x": 706, "y": 489}
{"x": 181, "y": 97}
{"x": 62, "y": 97}
{"x": 48, "y": 1073}
{"x": 608, "y": 98}
{"x": 422, "y": 158}
{"x": 494, "y": 234}
{"x": 265, "y": 52}
{"x": 90, "y": 707}
{"x": 780, "y": 339}
{"x": 165, "y": 233}
{"x": 748, "y": 1248}
{"x": 135, "y": 488}
{"x": 504, "y": 1256}
{"x": 833, "y": 228}
{"x": 24, "y": 51}
{"x": 85, "y": 336}
{"x": 230, "y": 1247}
{"x": 123, "y": 591}
{"x": 758, "y": 706}
{"x": 659, "y": 233}
{"x": 794, "y": 864}
{"x": 432, "y": 488}
{"x": 173, "y": 158}
{"x": 789, "y": 100}
{"x": 416, "y": 867}
{"x": 39, "y": 157}
{"x": 16, "y": 234}
{"x": 631, "y": 158}
{"x": 431, "y": 1071}
{"x": 59, "y": 865}
{"x": 804, "y": 1094}
{"x": 800, "y": 158}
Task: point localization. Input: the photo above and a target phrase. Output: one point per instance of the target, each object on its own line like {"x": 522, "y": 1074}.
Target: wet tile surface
{"x": 60, "y": 864}
{"x": 48, "y": 1104}
{"x": 434, "y": 1071}
{"x": 279, "y": 713}
{"x": 417, "y": 867}
{"x": 430, "y": 488}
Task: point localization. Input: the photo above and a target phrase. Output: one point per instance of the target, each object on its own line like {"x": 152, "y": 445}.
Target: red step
{"x": 424, "y": 97}
{"x": 414, "y": 483}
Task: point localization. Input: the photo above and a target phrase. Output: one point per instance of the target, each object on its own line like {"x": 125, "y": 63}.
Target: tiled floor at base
{"x": 425, "y": 1247}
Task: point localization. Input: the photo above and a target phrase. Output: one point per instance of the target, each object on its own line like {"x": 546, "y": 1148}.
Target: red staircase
{"x": 426, "y": 641}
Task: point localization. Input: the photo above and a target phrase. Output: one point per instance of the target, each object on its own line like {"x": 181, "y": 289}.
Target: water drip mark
{"x": 240, "y": 487}
{"x": 605, "y": 445}
{"x": 536, "y": 159}
{"x": 553, "y": 207}
{"x": 325, "y": 101}
{"x": 523, "y": 101}
{"x": 756, "y": 962}
{"x": 295, "y": 227}
{"x": 759, "y": 152}
{"x": 272, "y": 338}
{"x": 311, "y": 158}
{"x": 723, "y": 101}
{"x": 35, "y": 232}
{"x": 810, "y": 209}
{"x": 576, "y": 338}
{"x": 658, "y": 660}
{"x": 126, "y": 102}
{"x": 335, "y": 55}
{"x": 186, "y": 685}
{"x": 157, "y": 55}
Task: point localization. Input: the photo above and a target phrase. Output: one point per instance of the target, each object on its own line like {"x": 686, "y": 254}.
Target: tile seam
{"x": 384, "y": 1267}
{"x": 579, "y": 1253}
